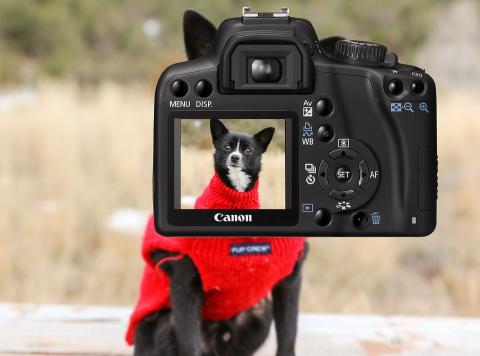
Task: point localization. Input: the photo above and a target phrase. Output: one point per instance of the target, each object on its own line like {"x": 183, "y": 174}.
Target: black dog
{"x": 238, "y": 156}
{"x": 181, "y": 330}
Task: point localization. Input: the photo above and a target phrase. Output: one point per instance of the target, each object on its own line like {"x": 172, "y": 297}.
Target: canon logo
{"x": 232, "y": 217}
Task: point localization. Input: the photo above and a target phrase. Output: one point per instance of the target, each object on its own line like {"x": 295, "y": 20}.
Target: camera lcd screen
{"x": 239, "y": 152}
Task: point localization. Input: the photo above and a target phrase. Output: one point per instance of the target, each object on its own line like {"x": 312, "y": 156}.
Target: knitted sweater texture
{"x": 236, "y": 272}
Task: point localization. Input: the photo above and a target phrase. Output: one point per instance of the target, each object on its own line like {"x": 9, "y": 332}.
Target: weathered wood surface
{"x": 80, "y": 330}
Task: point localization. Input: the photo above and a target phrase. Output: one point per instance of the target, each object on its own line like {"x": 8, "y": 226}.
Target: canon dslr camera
{"x": 350, "y": 131}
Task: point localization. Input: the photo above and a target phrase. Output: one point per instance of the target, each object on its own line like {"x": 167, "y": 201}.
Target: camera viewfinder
{"x": 265, "y": 70}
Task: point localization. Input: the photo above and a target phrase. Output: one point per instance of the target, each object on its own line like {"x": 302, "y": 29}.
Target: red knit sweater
{"x": 236, "y": 272}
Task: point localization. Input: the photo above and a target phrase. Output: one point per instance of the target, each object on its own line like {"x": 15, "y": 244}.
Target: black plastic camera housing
{"x": 361, "y": 151}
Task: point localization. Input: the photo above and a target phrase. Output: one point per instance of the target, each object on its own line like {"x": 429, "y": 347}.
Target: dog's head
{"x": 238, "y": 156}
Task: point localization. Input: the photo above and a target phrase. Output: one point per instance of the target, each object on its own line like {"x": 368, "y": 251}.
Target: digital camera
{"x": 353, "y": 152}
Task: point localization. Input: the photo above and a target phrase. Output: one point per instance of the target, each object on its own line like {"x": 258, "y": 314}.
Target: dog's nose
{"x": 235, "y": 158}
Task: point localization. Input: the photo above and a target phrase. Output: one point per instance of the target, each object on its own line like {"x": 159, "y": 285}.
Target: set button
{"x": 343, "y": 177}
{"x": 343, "y": 174}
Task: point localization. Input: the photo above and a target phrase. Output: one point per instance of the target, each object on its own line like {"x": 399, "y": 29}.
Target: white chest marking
{"x": 239, "y": 179}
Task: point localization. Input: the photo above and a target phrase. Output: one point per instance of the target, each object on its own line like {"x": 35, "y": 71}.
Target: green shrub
{"x": 92, "y": 40}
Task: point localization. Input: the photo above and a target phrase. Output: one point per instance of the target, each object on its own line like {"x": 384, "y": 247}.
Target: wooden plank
{"x": 62, "y": 329}
{"x": 79, "y": 330}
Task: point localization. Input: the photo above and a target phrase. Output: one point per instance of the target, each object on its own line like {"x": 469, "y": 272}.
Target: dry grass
{"x": 66, "y": 162}
{"x": 73, "y": 157}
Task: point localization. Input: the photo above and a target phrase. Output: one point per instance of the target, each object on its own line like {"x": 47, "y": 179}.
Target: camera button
{"x": 417, "y": 87}
{"x": 325, "y": 133}
{"x": 343, "y": 194}
{"x": 343, "y": 153}
{"x": 360, "y": 220}
{"x": 395, "y": 87}
{"x": 343, "y": 174}
{"x": 323, "y": 217}
{"x": 323, "y": 174}
{"x": 203, "y": 88}
{"x": 363, "y": 170}
{"x": 324, "y": 107}
{"x": 179, "y": 88}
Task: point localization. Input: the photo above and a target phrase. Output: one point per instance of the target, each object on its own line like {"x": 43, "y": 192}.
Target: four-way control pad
{"x": 349, "y": 176}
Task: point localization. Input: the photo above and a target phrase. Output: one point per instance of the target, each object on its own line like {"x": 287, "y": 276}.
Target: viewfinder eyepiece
{"x": 265, "y": 70}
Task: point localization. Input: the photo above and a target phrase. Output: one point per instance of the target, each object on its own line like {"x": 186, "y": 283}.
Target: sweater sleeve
{"x": 154, "y": 241}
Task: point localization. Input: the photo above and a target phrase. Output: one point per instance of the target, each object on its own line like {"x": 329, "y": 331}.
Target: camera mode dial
{"x": 360, "y": 52}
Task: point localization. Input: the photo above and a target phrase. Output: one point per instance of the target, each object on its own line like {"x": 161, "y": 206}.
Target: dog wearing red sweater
{"x": 213, "y": 296}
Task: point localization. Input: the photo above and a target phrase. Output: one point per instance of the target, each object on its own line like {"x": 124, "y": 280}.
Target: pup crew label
{"x": 258, "y": 248}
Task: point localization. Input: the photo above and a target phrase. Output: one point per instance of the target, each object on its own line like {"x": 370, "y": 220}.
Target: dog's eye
{"x": 227, "y": 148}
{"x": 248, "y": 151}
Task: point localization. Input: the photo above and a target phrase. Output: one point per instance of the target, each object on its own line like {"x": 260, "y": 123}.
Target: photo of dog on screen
{"x": 245, "y": 155}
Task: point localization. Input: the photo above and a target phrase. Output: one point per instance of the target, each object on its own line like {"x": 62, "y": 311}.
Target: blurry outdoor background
{"x": 197, "y": 167}
{"x": 77, "y": 82}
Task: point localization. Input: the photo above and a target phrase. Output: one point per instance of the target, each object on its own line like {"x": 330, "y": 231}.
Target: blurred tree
{"x": 196, "y": 133}
{"x": 124, "y": 40}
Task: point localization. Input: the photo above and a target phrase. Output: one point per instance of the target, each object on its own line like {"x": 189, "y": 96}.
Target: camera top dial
{"x": 360, "y": 52}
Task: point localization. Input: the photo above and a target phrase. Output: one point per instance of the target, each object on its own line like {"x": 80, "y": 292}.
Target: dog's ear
{"x": 264, "y": 137}
{"x": 217, "y": 128}
{"x": 198, "y": 34}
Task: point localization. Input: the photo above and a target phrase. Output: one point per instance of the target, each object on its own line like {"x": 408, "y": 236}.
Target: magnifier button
{"x": 395, "y": 86}
{"x": 417, "y": 87}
